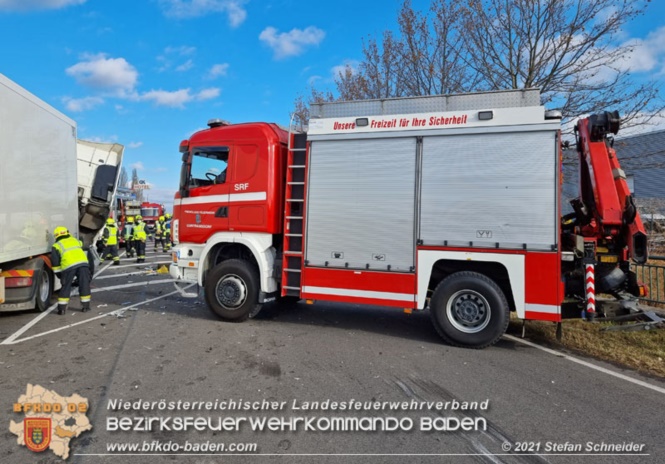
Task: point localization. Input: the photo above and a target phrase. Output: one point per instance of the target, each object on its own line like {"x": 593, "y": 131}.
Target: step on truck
{"x": 448, "y": 203}
{"x": 48, "y": 179}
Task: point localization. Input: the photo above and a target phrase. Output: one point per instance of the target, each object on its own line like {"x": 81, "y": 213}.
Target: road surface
{"x": 265, "y": 388}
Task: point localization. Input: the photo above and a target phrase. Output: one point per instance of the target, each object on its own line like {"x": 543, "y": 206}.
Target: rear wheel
{"x": 44, "y": 289}
{"x": 469, "y": 309}
{"x": 232, "y": 290}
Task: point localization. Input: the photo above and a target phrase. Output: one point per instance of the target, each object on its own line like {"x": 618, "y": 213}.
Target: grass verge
{"x": 641, "y": 350}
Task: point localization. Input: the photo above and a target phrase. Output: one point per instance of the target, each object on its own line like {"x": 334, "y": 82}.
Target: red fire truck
{"x": 451, "y": 203}
{"x": 150, "y": 213}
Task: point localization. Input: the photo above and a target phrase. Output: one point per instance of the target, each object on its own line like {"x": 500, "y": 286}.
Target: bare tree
{"x": 567, "y": 48}
{"x": 300, "y": 115}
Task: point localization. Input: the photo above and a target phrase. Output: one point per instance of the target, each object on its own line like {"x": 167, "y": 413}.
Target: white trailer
{"x": 40, "y": 189}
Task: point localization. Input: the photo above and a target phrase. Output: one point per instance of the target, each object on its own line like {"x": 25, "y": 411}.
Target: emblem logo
{"x": 37, "y": 433}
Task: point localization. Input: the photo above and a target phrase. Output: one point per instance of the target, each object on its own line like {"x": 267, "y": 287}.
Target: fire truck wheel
{"x": 469, "y": 309}
{"x": 44, "y": 289}
{"x": 232, "y": 290}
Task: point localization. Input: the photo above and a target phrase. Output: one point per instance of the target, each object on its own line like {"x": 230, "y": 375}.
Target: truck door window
{"x": 209, "y": 167}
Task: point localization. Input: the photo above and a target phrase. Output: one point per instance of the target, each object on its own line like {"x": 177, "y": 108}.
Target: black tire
{"x": 232, "y": 290}
{"x": 469, "y": 310}
{"x": 44, "y": 289}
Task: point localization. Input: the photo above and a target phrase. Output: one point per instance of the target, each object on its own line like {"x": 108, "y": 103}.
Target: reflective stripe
{"x": 249, "y": 196}
{"x": 113, "y": 235}
{"x": 407, "y": 297}
{"x": 541, "y": 308}
{"x": 139, "y": 231}
{"x": 16, "y": 273}
{"x": 71, "y": 253}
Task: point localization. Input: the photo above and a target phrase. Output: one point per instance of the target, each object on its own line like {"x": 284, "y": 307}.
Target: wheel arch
{"x": 253, "y": 247}
{"x": 506, "y": 270}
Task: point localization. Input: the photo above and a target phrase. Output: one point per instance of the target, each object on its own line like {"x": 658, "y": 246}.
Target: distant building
{"x": 643, "y": 157}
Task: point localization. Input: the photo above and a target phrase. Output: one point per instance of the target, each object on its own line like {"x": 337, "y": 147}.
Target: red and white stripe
{"x": 590, "y": 289}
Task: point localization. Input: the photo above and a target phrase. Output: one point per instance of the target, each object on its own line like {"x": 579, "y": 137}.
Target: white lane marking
{"x": 135, "y": 284}
{"x": 22, "y": 330}
{"x": 182, "y": 291}
{"x": 587, "y": 364}
{"x": 112, "y": 313}
{"x": 121, "y": 266}
{"x": 127, "y": 274}
{"x": 9, "y": 340}
{"x": 101, "y": 269}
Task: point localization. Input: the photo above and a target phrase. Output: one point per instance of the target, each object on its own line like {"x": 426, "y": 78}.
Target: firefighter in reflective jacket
{"x": 140, "y": 237}
{"x": 128, "y": 233}
{"x": 160, "y": 229}
{"x": 111, "y": 242}
{"x": 167, "y": 232}
{"x": 69, "y": 260}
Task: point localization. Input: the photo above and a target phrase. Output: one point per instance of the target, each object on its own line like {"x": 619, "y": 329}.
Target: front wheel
{"x": 232, "y": 290}
{"x": 469, "y": 309}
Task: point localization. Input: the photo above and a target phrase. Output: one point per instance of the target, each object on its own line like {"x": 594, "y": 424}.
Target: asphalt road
{"x": 146, "y": 341}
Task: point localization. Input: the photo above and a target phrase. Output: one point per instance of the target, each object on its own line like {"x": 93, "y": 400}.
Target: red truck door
{"x": 206, "y": 209}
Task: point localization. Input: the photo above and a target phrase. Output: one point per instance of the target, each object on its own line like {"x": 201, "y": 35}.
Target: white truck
{"x": 48, "y": 179}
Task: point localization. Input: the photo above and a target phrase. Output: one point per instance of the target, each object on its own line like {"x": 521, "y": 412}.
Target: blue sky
{"x": 148, "y": 73}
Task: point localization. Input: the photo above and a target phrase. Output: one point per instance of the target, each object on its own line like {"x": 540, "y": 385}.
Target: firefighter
{"x": 167, "y": 232}
{"x": 69, "y": 260}
{"x": 139, "y": 239}
{"x": 160, "y": 229}
{"x": 111, "y": 242}
{"x": 128, "y": 233}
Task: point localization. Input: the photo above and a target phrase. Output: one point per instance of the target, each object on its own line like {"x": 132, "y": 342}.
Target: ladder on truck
{"x": 294, "y": 215}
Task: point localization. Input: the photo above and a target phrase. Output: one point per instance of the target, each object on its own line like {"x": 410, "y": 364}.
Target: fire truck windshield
{"x": 149, "y": 212}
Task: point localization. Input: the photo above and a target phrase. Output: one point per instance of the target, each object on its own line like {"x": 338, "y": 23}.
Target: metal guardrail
{"x": 653, "y": 275}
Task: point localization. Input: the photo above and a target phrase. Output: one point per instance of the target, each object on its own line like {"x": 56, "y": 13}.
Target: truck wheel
{"x": 469, "y": 309}
{"x": 232, "y": 290}
{"x": 44, "y": 289}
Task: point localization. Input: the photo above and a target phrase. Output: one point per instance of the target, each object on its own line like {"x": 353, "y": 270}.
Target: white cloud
{"x": 313, "y": 80}
{"x": 82, "y": 104}
{"x": 340, "y": 69}
{"x": 138, "y": 166}
{"x": 648, "y": 53}
{"x": 32, "y": 5}
{"x": 207, "y": 94}
{"x": 186, "y": 9}
{"x": 109, "y": 74}
{"x": 186, "y": 66}
{"x": 292, "y": 43}
{"x": 178, "y": 98}
{"x": 110, "y": 139}
{"x": 162, "y": 196}
{"x": 134, "y": 144}
{"x": 218, "y": 70}
{"x": 182, "y": 50}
